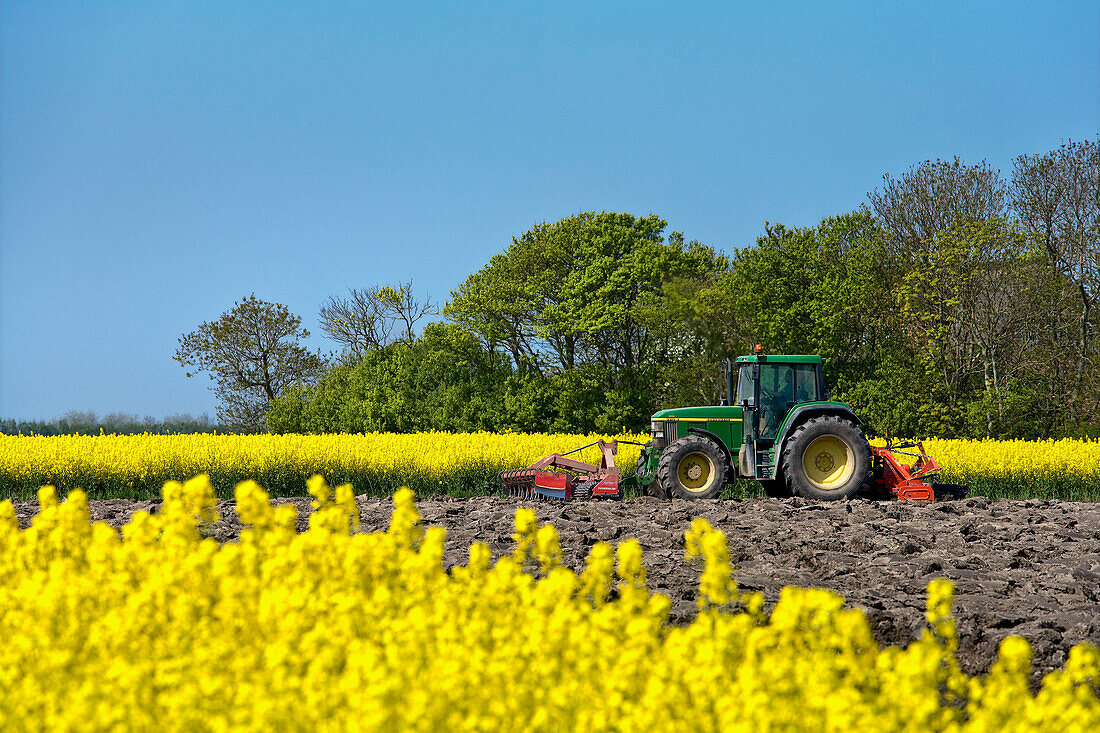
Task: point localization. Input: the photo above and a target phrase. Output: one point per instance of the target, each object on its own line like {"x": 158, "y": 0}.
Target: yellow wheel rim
{"x": 695, "y": 471}
{"x": 828, "y": 462}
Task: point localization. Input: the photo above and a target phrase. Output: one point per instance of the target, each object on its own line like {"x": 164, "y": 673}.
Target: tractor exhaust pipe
{"x": 729, "y": 382}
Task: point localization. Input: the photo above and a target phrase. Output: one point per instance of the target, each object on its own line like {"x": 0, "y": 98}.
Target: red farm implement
{"x": 912, "y": 482}
{"x": 558, "y": 477}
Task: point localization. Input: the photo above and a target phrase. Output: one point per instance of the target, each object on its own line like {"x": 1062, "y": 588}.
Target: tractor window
{"x": 745, "y": 385}
{"x": 805, "y": 383}
{"x": 776, "y": 396}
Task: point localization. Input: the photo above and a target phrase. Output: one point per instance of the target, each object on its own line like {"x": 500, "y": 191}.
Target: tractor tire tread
{"x": 666, "y": 470}
{"x": 790, "y": 459}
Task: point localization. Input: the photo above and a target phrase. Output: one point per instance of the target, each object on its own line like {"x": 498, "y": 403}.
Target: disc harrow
{"x": 555, "y": 477}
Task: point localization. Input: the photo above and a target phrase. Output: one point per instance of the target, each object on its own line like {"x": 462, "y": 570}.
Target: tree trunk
{"x": 988, "y": 412}
{"x": 997, "y": 388}
{"x": 1086, "y": 311}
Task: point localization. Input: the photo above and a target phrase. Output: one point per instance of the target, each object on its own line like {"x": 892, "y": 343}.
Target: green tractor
{"x": 775, "y": 426}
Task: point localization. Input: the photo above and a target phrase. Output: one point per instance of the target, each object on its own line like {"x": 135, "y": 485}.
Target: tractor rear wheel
{"x": 692, "y": 468}
{"x": 827, "y": 458}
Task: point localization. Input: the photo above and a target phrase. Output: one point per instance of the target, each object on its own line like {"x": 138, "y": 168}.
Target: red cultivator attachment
{"x": 558, "y": 477}
{"x": 910, "y": 483}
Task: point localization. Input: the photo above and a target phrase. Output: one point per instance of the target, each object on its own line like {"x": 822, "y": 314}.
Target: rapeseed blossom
{"x": 334, "y": 629}
{"x": 136, "y": 466}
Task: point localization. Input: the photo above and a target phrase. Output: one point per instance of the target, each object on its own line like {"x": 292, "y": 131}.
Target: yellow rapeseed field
{"x": 435, "y": 453}
{"x": 332, "y": 629}
{"x": 1044, "y": 469}
{"x": 438, "y": 462}
{"x": 135, "y": 464}
{"x": 1019, "y": 459}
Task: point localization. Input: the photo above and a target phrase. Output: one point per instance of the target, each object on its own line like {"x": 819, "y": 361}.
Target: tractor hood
{"x": 706, "y": 412}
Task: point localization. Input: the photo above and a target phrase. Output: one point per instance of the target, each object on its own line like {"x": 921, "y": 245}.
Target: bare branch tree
{"x": 930, "y": 197}
{"x": 1057, "y": 194}
{"x": 359, "y": 322}
{"x": 999, "y": 301}
{"x": 404, "y": 309}
{"x": 368, "y": 318}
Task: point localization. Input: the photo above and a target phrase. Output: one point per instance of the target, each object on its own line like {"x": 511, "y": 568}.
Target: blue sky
{"x": 159, "y": 161}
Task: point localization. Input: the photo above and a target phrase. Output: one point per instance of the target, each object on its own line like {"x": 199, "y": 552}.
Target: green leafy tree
{"x": 444, "y": 380}
{"x": 568, "y": 292}
{"x": 696, "y": 324}
{"x": 252, "y": 352}
{"x": 572, "y": 301}
{"x": 818, "y": 290}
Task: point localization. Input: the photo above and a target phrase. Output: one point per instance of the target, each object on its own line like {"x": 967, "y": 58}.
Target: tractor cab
{"x": 768, "y": 390}
{"x": 771, "y": 386}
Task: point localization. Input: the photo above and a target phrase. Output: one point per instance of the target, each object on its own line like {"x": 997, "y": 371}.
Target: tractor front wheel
{"x": 827, "y": 458}
{"x": 692, "y": 468}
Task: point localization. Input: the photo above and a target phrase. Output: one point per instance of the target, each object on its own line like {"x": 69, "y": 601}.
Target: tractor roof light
{"x": 758, "y": 349}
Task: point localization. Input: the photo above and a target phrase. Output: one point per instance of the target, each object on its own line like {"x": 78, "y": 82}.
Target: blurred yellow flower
{"x": 332, "y": 629}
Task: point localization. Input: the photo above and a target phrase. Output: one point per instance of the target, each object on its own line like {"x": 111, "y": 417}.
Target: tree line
{"x": 954, "y": 301}
{"x": 81, "y": 422}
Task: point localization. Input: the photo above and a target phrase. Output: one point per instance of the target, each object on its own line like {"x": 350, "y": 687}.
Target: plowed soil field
{"x": 1021, "y": 567}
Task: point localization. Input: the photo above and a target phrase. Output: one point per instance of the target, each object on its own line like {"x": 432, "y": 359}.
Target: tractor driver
{"x": 803, "y": 391}
{"x": 775, "y": 402}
